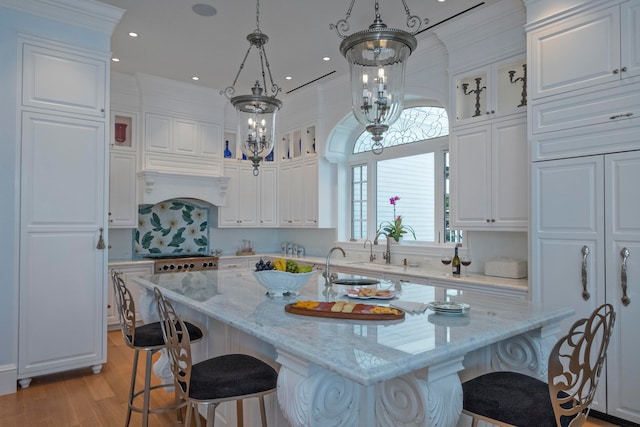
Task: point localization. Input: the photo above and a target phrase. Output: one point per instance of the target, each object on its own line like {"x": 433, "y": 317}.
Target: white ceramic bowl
{"x": 281, "y": 283}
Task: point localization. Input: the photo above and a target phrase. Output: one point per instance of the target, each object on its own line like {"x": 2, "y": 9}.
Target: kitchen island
{"x": 361, "y": 373}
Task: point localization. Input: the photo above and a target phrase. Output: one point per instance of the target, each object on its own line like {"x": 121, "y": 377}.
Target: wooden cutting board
{"x": 324, "y": 310}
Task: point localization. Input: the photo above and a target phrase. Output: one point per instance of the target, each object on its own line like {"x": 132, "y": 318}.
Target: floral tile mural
{"x": 171, "y": 227}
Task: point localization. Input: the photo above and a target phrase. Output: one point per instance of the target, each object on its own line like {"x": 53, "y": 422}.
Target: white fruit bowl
{"x": 280, "y": 283}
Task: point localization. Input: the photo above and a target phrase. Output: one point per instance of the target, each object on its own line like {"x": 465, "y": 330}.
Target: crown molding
{"x": 81, "y": 13}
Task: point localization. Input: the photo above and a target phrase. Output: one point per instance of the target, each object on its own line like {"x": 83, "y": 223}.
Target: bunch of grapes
{"x": 262, "y": 265}
{"x": 292, "y": 266}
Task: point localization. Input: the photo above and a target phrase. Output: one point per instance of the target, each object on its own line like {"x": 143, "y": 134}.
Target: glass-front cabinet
{"x": 490, "y": 92}
{"x": 298, "y": 143}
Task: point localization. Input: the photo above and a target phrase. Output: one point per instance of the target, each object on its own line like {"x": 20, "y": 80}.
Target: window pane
{"x": 359, "y": 196}
{"x": 412, "y": 179}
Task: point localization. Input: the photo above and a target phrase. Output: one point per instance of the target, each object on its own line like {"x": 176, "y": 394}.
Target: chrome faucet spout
{"x": 372, "y": 257}
{"x": 387, "y": 253}
{"x": 328, "y": 277}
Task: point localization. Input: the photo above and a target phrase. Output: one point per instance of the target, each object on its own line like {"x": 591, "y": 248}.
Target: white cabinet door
{"x": 184, "y": 136}
{"x": 509, "y": 175}
{"x": 248, "y": 200}
{"x": 63, "y": 81}
{"x": 630, "y": 45}
{"x": 157, "y": 131}
{"x": 62, "y": 280}
{"x": 122, "y": 190}
{"x": 471, "y": 176}
{"x": 592, "y": 202}
{"x": 561, "y": 65}
{"x": 228, "y": 215}
{"x": 311, "y": 193}
{"x": 284, "y": 198}
{"x": 489, "y": 176}
{"x": 268, "y": 197}
{"x": 622, "y": 211}
{"x": 568, "y": 249}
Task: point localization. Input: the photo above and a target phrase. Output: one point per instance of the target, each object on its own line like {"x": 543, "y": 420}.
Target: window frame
{"x": 439, "y": 146}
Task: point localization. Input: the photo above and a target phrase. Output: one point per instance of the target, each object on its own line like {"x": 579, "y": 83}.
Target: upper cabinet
{"x": 63, "y": 80}
{"x": 298, "y": 143}
{"x": 182, "y": 145}
{"x": 489, "y": 176}
{"x": 610, "y": 50}
{"x": 490, "y": 92}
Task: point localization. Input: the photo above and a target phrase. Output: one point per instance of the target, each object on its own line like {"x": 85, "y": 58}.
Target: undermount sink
{"x": 355, "y": 281}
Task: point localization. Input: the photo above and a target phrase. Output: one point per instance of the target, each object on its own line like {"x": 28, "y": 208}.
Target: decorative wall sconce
{"x": 477, "y": 91}
{"x": 523, "y": 79}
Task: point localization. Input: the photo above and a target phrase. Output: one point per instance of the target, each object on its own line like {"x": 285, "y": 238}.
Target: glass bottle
{"x": 455, "y": 263}
{"x": 227, "y": 152}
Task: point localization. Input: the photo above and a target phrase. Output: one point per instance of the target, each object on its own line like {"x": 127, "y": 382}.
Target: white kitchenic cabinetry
{"x": 297, "y": 143}
{"x": 251, "y": 201}
{"x": 122, "y": 190}
{"x": 63, "y": 80}
{"x": 182, "y": 145}
{"x": 128, "y": 272}
{"x": 489, "y": 176}
{"x": 299, "y": 198}
{"x": 591, "y": 48}
{"x": 62, "y": 210}
{"x": 585, "y": 213}
{"x": 488, "y": 93}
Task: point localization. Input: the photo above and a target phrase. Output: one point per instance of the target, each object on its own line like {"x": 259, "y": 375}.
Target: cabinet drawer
{"x": 589, "y": 140}
{"x": 602, "y": 106}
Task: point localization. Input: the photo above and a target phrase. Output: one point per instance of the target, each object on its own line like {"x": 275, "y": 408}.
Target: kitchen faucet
{"x": 328, "y": 278}
{"x": 372, "y": 257}
{"x": 387, "y": 254}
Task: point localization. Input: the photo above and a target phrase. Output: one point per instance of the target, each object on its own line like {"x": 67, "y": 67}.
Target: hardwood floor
{"x": 81, "y": 399}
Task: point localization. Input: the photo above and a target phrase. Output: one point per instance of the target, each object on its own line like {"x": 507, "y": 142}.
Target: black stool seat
{"x": 150, "y": 335}
{"x": 217, "y": 378}
{"x": 512, "y": 398}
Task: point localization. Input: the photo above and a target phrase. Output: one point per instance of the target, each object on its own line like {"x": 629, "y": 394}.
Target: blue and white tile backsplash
{"x": 171, "y": 227}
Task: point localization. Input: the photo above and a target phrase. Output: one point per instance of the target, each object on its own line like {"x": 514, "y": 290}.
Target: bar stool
{"x": 147, "y": 338}
{"x": 230, "y": 377}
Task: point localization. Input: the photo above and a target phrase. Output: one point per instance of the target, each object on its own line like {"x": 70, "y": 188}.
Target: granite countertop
{"x": 364, "y": 351}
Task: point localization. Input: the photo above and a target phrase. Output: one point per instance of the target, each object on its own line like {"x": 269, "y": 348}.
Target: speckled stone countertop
{"x": 366, "y": 352}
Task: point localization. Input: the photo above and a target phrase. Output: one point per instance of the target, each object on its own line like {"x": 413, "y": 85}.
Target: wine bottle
{"x": 455, "y": 263}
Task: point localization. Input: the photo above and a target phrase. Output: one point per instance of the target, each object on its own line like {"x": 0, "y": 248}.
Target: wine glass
{"x": 446, "y": 260}
{"x": 466, "y": 262}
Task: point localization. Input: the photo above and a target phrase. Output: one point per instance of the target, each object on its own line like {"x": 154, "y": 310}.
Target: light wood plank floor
{"x": 81, "y": 399}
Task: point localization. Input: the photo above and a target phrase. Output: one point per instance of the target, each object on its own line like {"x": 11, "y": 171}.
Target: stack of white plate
{"x": 449, "y": 308}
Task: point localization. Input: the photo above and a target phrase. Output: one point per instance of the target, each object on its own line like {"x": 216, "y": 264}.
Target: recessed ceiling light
{"x": 441, "y": 1}
{"x": 288, "y": 78}
{"x": 326, "y": 58}
{"x": 204, "y": 9}
{"x": 115, "y": 59}
{"x": 196, "y": 78}
{"x": 132, "y": 34}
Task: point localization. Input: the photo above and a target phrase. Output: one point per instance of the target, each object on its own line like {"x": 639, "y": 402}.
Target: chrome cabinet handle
{"x": 585, "y": 252}
{"x": 623, "y": 276}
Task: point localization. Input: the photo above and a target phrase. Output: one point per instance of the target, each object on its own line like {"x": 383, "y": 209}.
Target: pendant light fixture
{"x": 377, "y": 59}
{"x": 256, "y": 112}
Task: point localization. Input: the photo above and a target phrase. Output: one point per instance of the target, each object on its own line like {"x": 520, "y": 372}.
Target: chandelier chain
{"x": 414, "y": 22}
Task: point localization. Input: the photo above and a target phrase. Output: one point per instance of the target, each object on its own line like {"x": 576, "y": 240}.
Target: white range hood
{"x": 157, "y": 186}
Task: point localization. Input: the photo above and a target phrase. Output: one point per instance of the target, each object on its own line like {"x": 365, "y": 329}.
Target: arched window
{"x": 414, "y": 124}
{"x": 414, "y": 166}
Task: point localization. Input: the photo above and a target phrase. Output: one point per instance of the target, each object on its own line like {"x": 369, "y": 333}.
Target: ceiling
{"x": 176, "y": 43}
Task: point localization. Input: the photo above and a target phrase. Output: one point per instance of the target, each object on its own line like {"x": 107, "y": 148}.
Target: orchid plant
{"x": 395, "y": 229}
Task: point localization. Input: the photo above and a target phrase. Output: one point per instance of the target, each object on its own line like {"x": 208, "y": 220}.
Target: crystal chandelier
{"x": 256, "y": 112}
{"x": 377, "y": 59}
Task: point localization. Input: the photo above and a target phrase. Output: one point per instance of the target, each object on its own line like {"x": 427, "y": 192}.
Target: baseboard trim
{"x": 8, "y": 379}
